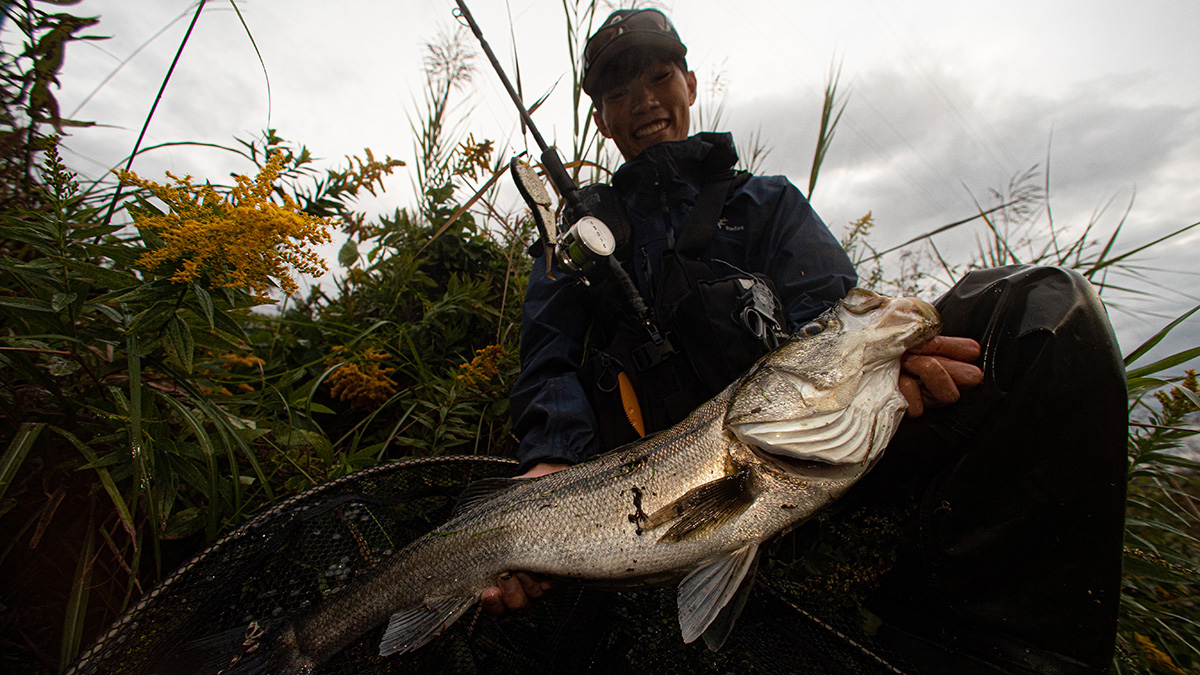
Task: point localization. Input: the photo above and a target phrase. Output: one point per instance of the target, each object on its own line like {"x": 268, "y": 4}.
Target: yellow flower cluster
{"x": 231, "y": 360}
{"x": 1176, "y": 404}
{"x": 483, "y": 367}
{"x": 473, "y": 157}
{"x": 370, "y": 172}
{"x": 1157, "y": 657}
{"x": 240, "y": 240}
{"x": 364, "y": 384}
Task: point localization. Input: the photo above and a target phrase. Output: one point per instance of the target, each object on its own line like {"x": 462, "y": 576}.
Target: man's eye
{"x": 666, "y": 74}
{"x": 615, "y": 94}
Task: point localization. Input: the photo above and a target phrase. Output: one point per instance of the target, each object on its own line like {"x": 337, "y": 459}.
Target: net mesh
{"x": 803, "y": 614}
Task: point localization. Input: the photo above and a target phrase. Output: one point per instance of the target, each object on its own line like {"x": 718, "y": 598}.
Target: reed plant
{"x": 150, "y": 404}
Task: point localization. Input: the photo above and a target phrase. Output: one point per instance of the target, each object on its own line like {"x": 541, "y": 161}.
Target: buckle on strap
{"x": 651, "y": 354}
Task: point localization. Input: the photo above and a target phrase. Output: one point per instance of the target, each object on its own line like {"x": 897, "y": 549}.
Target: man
{"x": 762, "y": 233}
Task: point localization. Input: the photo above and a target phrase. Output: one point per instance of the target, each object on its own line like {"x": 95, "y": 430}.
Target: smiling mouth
{"x": 652, "y": 128}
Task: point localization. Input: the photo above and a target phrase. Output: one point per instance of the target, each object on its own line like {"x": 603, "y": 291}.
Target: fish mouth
{"x": 911, "y": 321}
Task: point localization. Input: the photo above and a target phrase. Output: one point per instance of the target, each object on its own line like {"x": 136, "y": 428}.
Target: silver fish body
{"x": 692, "y": 502}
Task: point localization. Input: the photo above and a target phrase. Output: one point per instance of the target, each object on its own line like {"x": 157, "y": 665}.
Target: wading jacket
{"x": 766, "y": 227}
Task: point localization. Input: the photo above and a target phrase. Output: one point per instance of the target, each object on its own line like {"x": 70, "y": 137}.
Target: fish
{"x": 693, "y": 503}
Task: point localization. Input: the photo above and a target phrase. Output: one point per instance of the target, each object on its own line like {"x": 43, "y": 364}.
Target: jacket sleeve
{"x": 551, "y": 413}
{"x": 805, "y": 261}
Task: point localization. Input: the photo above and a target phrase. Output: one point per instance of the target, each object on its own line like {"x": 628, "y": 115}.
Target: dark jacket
{"x": 767, "y": 226}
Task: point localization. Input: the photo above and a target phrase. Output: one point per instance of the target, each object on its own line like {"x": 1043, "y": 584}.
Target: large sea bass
{"x": 692, "y": 502}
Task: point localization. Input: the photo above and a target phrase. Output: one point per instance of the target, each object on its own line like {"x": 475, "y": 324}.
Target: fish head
{"x": 830, "y": 393}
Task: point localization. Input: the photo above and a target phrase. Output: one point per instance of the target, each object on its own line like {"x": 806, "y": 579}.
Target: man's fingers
{"x": 532, "y": 587}
{"x": 491, "y": 601}
{"x": 965, "y": 375}
{"x": 511, "y": 592}
{"x": 911, "y": 391}
{"x": 933, "y": 375}
{"x": 957, "y": 348}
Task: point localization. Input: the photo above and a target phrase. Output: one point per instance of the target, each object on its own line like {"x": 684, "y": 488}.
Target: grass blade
{"x": 1149, "y": 344}
{"x": 106, "y": 479}
{"x": 17, "y": 450}
{"x": 78, "y": 601}
{"x": 1169, "y": 362}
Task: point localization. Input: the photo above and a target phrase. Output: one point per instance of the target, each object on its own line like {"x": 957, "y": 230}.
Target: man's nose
{"x": 644, "y": 97}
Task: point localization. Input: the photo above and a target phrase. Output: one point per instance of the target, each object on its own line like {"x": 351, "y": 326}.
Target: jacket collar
{"x": 692, "y": 160}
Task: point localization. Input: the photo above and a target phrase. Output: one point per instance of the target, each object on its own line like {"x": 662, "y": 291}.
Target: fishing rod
{"x": 555, "y": 171}
{"x": 589, "y": 241}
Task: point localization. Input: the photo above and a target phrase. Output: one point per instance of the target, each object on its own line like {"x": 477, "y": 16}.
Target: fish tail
{"x": 254, "y": 649}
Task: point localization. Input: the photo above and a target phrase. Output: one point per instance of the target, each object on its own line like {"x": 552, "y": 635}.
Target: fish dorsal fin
{"x": 704, "y": 507}
{"x": 479, "y": 491}
{"x": 413, "y": 627}
{"x": 709, "y": 589}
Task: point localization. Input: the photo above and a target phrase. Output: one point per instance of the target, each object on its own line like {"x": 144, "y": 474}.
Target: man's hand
{"x": 513, "y": 591}
{"x": 543, "y": 469}
{"x": 934, "y": 373}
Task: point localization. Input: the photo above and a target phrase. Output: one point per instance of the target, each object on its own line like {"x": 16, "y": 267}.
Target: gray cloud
{"x": 913, "y": 150}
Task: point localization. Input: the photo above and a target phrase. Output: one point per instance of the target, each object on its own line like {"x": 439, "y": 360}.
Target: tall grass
{"x": 144, "y": 417}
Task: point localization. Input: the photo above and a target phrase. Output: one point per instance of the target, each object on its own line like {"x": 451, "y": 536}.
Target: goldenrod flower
{"x": 240, "y": 240}
{"x": 483, "y": 367}
{"x": 363, "y": 386}
{"x": 1176, "y": 403}
{"x": 1154, "y": 655}
{"x": 236, "y": 359}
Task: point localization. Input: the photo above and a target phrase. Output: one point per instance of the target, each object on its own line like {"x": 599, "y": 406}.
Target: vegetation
{"x": 149, "y": 408}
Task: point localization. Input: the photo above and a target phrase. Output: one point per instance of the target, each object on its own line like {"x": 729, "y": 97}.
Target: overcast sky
{"x": 946, "y": 101}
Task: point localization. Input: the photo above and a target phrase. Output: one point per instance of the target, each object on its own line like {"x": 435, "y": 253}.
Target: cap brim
{"x": 671, "y": 47}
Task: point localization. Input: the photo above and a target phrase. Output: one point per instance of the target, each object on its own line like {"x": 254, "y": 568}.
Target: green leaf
{"x": 1163, "y": 364}
{"x": 216, "y": 340}
{"x": 1134, "y": 566}
{"x": 1158, "y": 337}
{"x": 179, "y": 343}
{"x": 153, "y": 319}
{"x": 111, "y": 313}
{"x": 103, "y": 462}
{"x": 348, "y": 254}
{"x": 1140, "y": 385}
{"x": 17, "y": 450}
{"x": 60, "y": 301}
{"x": 106, "y": 479}
{"x": 72, "y": 636}
{"x": 313, "y": 407}
{"x": 27, "y": 303}
{"x": 305, "y": 438}
{"x": 206, "y": 304}
{"x": 1167, "y": 459}
{"x": 184, "y": 523}
{"x": 100, "y": 276}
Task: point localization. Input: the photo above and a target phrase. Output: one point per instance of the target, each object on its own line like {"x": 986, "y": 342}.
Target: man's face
{"x": 650, "y": 108}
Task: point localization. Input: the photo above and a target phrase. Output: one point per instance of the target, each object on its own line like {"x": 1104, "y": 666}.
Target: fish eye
{"x": 812, "y": 328}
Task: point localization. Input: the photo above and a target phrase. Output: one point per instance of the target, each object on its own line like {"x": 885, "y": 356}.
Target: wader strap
{"x": 702, "y": 221}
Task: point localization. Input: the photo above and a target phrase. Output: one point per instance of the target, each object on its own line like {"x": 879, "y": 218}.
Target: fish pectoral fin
{"x": 479, "y": 491}
{"x": 711, "y": 597}
{"x": 704, "y": 507}
{"x": 413, "y": 627}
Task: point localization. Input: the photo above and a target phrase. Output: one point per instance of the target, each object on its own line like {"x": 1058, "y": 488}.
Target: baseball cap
{"x": 623, "y": 29}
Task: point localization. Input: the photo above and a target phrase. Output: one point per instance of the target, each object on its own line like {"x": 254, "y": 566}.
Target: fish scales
{"x": 691, "y": 502}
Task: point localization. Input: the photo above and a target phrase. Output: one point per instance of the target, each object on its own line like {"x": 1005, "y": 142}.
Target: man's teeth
{"x": 651, "y": 129}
